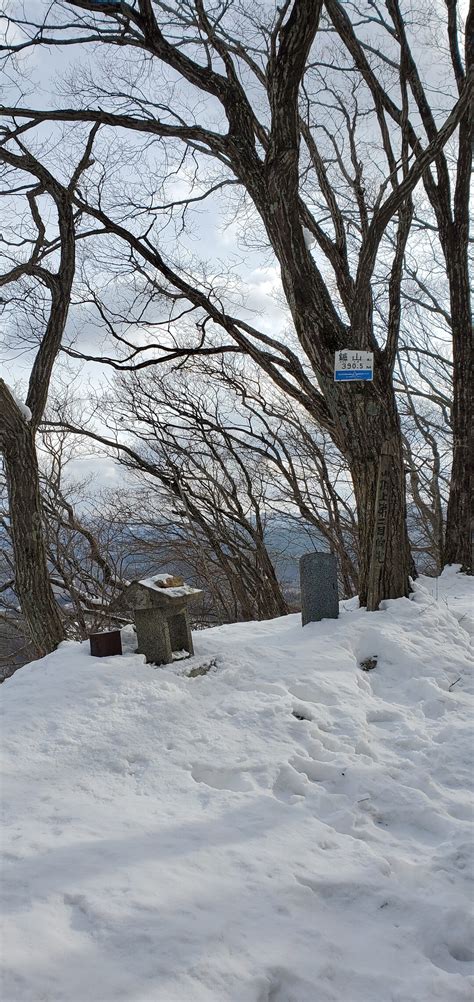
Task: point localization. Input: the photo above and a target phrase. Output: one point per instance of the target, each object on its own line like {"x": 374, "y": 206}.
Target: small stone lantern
{"x": 160, "y": 609}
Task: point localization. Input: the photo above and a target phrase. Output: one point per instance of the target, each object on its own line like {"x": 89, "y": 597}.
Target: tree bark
{"x": 31, "y": 572}
{"x": 454, "y": 239}
{"x": 17, "y": 432}
{"x": 271, "y": 599}
{"x": 364, "y": 416}
{"x": 457, "y": 549}
{"x": 372, "y": 445}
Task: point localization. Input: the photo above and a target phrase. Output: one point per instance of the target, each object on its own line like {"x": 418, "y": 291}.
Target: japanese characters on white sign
{"x": 349, "y": 365}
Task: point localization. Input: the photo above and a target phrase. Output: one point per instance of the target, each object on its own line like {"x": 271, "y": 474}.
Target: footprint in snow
{"x": 452, "y": 950}
{"x": 383, "y": 717}
{"x": 315, "y": 770}
{"x": 221, "y": 779}
{"x": 313, "y": 693}
{"x": 302, "y": 712}
{"x": 289, "y": 784}
{"x": 81, "y": 918}
{"x": 281, "y": 985}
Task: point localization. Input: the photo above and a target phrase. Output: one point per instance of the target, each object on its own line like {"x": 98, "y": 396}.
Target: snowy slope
{"x": 284, "y": 828}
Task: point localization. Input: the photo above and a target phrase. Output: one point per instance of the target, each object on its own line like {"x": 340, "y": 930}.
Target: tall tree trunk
{"x": 373, "y": 450}
{"x": 17, "y": 432}
{"x": 363, "y": 419}
{"x": 380, "y": 492}
{"x": 31, "y": 573}
{"x": 457, "y": 549}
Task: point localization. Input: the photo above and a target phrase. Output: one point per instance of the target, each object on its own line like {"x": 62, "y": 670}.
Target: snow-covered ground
{"x": 284, "y": 828}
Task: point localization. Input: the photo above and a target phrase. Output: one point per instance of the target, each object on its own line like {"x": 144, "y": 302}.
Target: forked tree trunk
{"x": 31, "y": 573}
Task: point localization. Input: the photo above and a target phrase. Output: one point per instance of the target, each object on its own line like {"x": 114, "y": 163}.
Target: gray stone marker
{"x": 318, "y": 579}
{"x": 161, "y": 617}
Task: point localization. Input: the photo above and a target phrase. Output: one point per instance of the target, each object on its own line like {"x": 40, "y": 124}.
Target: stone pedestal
{"x": 319, "y": 596}
{"x": 159, "y": 634}
{"x": 161, "y": 617}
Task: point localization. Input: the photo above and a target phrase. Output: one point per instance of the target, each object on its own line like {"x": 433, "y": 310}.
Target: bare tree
{"x": 270, "y": 76}
{"x": 86, "y": 552}
{"x": 158, "y": 535}
{"x": 38, "y": 264}
{"x": 253, "y": 454}
{"x": 447, "y": 186}
{"x": 15, "y": 645}
{"x": 304, "y": 469}
{"x": 85, "y": 543}
{"x": 427, "y": 450}
{"x": 186, "y": 466}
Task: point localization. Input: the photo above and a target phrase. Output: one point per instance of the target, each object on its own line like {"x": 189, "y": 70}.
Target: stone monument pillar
{"x": 318, "y": 579}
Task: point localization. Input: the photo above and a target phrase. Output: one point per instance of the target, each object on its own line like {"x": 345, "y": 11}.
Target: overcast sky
{"x": 212, "y": 237}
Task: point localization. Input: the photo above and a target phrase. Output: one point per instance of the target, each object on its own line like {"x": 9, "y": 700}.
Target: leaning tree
{"x": 314, "y": 115}
{"x": 38, "y": 253}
